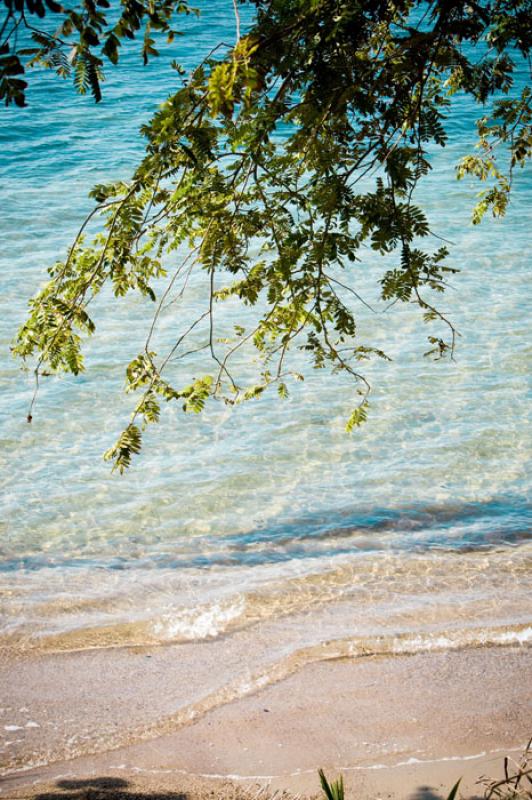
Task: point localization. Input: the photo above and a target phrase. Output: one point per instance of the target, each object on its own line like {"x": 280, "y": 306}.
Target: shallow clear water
{"x": 413, "y": 533}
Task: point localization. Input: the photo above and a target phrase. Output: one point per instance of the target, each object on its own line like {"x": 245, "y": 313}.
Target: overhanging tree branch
{"x": 284, "y": 163}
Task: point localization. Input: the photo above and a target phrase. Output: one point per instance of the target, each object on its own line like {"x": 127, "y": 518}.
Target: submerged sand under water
{"x": 361, "y": 593}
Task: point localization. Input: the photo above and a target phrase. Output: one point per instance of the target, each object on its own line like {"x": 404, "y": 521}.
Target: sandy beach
{"x": 401, "y": 727}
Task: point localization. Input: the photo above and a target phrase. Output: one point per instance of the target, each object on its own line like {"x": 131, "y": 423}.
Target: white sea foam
{"x": 509, "y": 637}
{"x": 203, "y": 622}
{"x": 462, "y": 638}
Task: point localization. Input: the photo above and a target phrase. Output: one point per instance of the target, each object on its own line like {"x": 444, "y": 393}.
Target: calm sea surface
{"x": 267, "y": 524}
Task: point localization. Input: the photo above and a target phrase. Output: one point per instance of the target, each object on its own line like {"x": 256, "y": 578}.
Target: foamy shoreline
{"x": 387, "y": 723}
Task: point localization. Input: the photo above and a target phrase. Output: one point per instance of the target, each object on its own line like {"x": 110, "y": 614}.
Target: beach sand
{"x": 404, "y": 727}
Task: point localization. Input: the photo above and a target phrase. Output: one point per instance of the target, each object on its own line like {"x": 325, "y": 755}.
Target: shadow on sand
{"x": 104, "y": 789}
{"x": 425, "y": 793}
{"x": 429, "y": 793}
{"x": 108, "y": 788}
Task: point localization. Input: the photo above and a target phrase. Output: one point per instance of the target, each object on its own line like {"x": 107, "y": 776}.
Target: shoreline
{"x": 389, "y": 724}
{"x": 429, "y": 781}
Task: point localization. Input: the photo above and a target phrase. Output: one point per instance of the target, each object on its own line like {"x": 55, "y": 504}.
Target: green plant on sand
{"x": 332, "y": 791}
{"x": 517, "y": 781}
{"x": 515, "y": 785}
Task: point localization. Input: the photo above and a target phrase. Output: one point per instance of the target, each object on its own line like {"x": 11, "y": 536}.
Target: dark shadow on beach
{"x": 104, "y": 789}
{"x": 109, "y": 788}
{"x": 425, "y": 793}
{"x": 429, "y": 793}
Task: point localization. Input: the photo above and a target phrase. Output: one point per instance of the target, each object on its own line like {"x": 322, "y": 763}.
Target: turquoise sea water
{"x": 412, "y": 533}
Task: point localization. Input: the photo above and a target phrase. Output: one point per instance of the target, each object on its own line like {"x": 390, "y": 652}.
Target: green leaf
{"x": 454, "y": 791}
{"x": 332, "y": 791}
{"x": 129, "y": 443}
{"x": 357, "y": 417}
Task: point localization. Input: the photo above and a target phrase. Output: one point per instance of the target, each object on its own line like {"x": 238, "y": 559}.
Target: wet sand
{"x": 391, "y": 725}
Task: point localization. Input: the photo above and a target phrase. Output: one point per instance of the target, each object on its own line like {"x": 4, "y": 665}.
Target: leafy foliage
{"x": 510, "y": 123}
{"x": 85, "y": 35}
{"x": 281, "y": 224}
{"x": 127, "y": 444}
